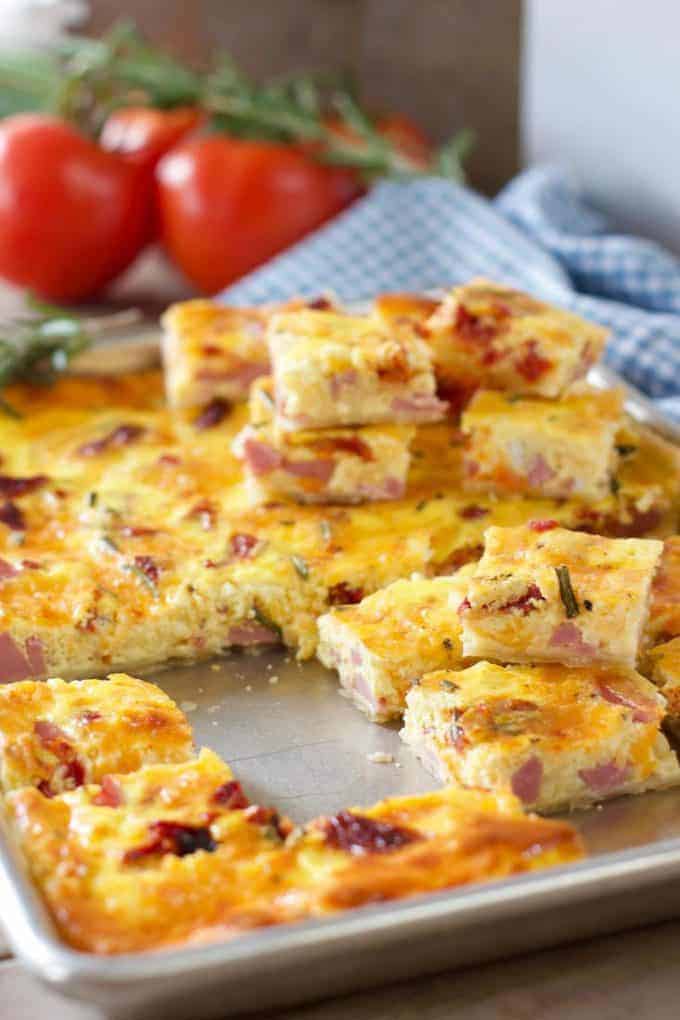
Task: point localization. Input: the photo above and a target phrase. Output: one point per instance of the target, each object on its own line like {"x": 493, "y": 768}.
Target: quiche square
{"x": 664, "y": 662}
{"x": 559, "y": 449}
{"x": 541, "y": 593}
{"x": 331, "y": 369}
{"x": 212, "y": 351}
{"x": 342, "y": 465}
{"x": 664, "y": 608}
{"x": 57, "y": 736}
{"x": 391, "y": 638}
{"x": 488, "y": 335}
{"x": 149, "y": 858}
{"x": 555, "y": 736}
{"x": 420, "y": 844}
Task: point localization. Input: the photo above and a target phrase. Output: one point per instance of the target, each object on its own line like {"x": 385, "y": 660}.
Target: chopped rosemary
{"x": 567, "y": 592}
{"x": 107, "y": 541}
{"x": 614, "y": 486}
{"x": 326, "y": 530}
{"x": 625, "y": 449}
{"x": 262, "y": 618}
{"x": 447, "y": 685}
{"x": 421, "y": 505}
{"x": 143, "y": 577}
{"x": 301, "y": 567}
{"x": 92, "y": 498}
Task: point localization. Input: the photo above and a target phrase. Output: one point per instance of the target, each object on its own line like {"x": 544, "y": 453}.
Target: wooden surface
{"x": 448, "y": 63}
{"x": 622, "y": 977}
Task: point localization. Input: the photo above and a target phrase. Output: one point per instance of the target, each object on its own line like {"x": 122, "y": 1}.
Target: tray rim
{"x": 33, "y": 938}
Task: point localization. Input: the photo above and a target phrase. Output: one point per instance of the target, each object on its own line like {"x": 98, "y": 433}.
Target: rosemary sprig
{"x": 85, "y": 80}
{"x": 38, "y": 347}
{"x": 567, "y": 592}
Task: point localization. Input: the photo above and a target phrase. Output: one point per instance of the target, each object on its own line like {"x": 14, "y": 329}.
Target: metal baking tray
{"x": 296, "y": 743}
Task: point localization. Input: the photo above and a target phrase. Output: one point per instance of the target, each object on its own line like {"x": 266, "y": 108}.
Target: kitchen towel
{"x": 538, "y": 234}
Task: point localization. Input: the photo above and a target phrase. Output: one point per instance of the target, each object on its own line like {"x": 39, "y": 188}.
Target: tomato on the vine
{"x": 72, "y": 217}
{"x": 142, "y": 134}
{"x": 227, "y": 205}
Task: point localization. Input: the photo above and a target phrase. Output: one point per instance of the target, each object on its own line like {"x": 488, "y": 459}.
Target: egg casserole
{"x": 335, "y": 369}
{"x": 57, "y": 736}
{"x": 555, "y": 736}
{"x": 489, "y": 335}
{"x": 128, "y": 539}
{"x": 327, "y": 466}
{"x": 542, "y": 593}
{"x": 391, "y": 638}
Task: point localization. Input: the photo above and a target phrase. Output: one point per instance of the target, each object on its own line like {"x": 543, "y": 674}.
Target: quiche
{"x": 544, "y": 594}
{"x": 343, "y": 465}
{"x": 664, "y": 662}
{"x": 212, "y": 351}
{"x": 391, "y": 638}
{"x": 555, "y": 448}
{"x": 336, "y": 369}
{"x": 56, "y": 736}
{"x": 405, "y": 846}
{"x": 142, "y": 860}
{"x": 488, "y": 335}
{"x": 664, "y": 608}
{"x": 556, "y": 736}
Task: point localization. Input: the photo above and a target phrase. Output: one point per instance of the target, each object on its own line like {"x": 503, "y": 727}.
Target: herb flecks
{"x": 567, "y": 592}
{"x": 301, "y": 566}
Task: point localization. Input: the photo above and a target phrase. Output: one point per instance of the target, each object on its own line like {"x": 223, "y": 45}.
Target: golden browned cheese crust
{"x": 127, "y": 538}
{"x": 57, "y": 736}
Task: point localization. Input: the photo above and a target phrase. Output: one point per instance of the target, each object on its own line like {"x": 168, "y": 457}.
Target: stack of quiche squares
{"x": 334, "y": 422}
{"x": 518, "y": 673}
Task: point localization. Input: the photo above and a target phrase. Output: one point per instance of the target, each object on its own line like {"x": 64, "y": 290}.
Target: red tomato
{"x": 227, "y": 205}
{"x": 406, "y": 136}
{"x": 143, "y": 134}
{"x": 72, "y": 217}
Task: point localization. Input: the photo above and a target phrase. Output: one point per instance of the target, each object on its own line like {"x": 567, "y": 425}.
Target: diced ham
{"x": 569, "y": 637}
{"x": 644, "y": 711}
{"x": 110, "y": 793}
{"x": 230, "y": 795}
{"x": 261, "y": 457}
{"x": 526, "y": 781}
{"x": 358, "y": 834}
{"x": 473, "y": 512}
{"x": 252, "y": 633}
{"x": 539, "y": 471}
{"x": 605, "y": 778}
{"x": 341, "y": 379}
{"x": 14, "y": 664}
{"x": 35, "y": 655}
{"x": 390, "y": 488}
{"x": 7, "y": 570}
{"x": 419, "y": 407}
{"x": 316, "y": 468}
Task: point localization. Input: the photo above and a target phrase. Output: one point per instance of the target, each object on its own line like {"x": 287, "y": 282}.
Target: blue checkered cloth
{"x": 538, "y": 235}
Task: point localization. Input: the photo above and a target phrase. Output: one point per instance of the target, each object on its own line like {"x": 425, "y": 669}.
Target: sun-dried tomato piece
{"x": 205, "y": 512}
{"x": 477, "y": 328}
{"x": 361, "y": 835}
{"x": 123, "y": 435}
{"x": 524, "y": 602}
{"x": 11, "y": 515}
{"x": 231, "y": 796}
{"x": 473, "y": 512}
{"x": 11, "y": 487}
{"x": 211, "y": 415}
{"x": 242, "y": 544}
{"x": 543, "y": 525}
{"x": 172, "y": 838}
{"x": 342, "y": 594}
{"x": 532, "y": 365}
{"x": 148, "y": 567}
